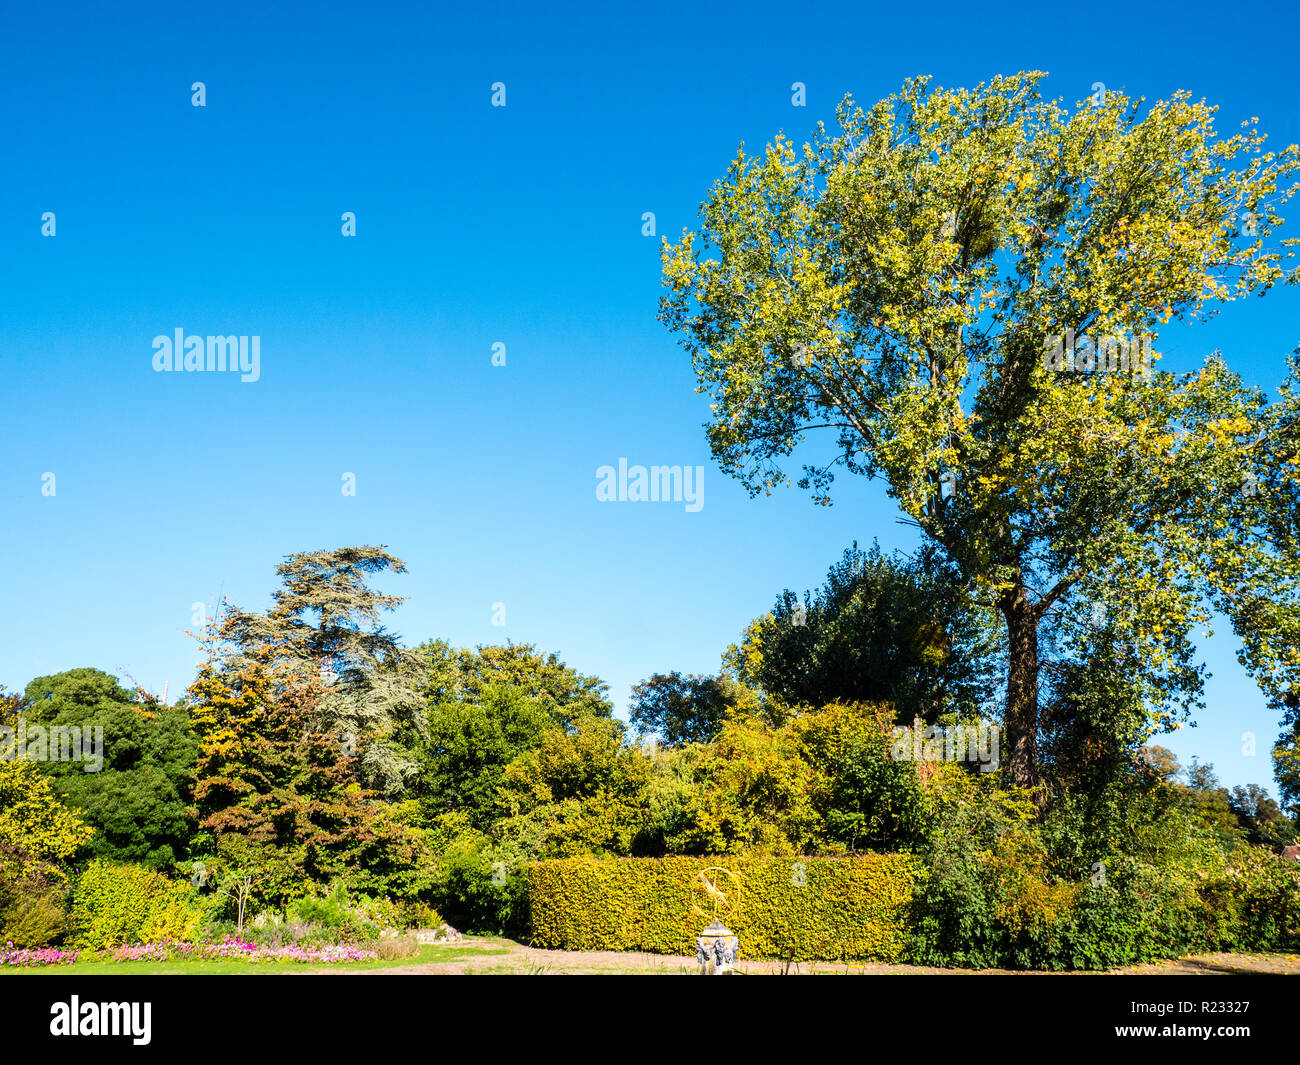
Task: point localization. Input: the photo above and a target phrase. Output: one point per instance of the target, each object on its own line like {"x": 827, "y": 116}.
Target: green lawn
{"x": 95, "y": 967}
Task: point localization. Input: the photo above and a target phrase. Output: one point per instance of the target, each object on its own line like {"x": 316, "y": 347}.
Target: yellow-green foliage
{"x": 844, "y": 907}
{"x": 116, "y": 904}
{"x": 34, "y": 821}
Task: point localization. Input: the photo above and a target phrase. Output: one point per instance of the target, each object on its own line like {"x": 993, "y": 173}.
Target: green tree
{"x": 1212, "y": 803}
{"x": 880, "y": 630}
{"x": 39, "y": 836}
{"x": 464, "y": 674}
{"x": 486, "y": 707}
{"x": 902, "y": 282}
{"x": 866, "y": 798}
{"x": 136, "y": 798}
{"x": 522, "y": 760}
{"x": 1261, "y": 818}
{"x": 683, "y": 709}
{"x": 1286, "y": 757}
{"x": 749, "y": 791}
{"x": 470, "y": 744}
{"x": 577, "y": 792}
{"x": 1094, "y": 717}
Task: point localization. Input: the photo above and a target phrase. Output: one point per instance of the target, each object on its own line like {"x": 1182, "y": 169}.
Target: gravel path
{"x": 525, "y": 959}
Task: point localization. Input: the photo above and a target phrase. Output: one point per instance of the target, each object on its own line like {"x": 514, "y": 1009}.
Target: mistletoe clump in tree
{"x": 899, "y": 282}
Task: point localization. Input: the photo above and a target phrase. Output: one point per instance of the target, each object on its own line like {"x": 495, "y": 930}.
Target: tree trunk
{"x": 1021, "y": 718}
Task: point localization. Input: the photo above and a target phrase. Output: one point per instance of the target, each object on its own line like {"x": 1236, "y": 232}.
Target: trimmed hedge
{"x": 846, "y": 908}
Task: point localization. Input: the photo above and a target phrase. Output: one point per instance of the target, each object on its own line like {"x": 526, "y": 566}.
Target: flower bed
{"x": 30, "y": 959}
{"x": 233, "y": 947}
{"x": 229, "y": 947}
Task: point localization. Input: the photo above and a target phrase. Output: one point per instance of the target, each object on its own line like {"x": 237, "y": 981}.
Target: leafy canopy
{"x": 880, "y": 629}
{"x": 897, "y": 282}
{"x": 324, "y": 629}
{"x": 136, "y": 801}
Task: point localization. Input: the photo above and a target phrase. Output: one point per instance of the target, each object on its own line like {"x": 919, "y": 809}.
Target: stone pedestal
{"x": 716, "y": 949}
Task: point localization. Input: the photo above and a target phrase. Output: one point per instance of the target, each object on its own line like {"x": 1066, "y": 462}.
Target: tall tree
{"x": 136, "y": 799}
{"x": 1260, "y": 817}
{"x": 1212, "y": 803}
{"x": 681, "y": 709}
{"x": 881, "y": 629}
{"x": 465, "y": 675}
{"x": 924, "y": 282}
{"x": 278, "y": 799}
{"x": 470, "y": 744}
{"x": 486, "y": 707}
{"x": 324, "y": 628}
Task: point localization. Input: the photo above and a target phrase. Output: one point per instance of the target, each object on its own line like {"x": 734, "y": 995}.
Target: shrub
{"x": 329, "y": 910}
{"x": 982, "y": 898}
{"x": 1001, "y": 907}
{"x": 32, "y": 902}
{"x": 1003, "y": 890}
{"x": 481, "y": 885}
{"x": 804, "y": 908}
{"x": 383, "y": 912}
{"x": 422, "y": 915}
{"x": 117, "y": 904}
{"x": 1269, "y": 892}
{"x": 954, "y": 913}
{"x": 334, "y": 914}
{"x": 35, "y": 919}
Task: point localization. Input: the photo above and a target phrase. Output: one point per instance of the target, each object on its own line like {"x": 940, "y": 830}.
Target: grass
{"x": 429, "y": 954}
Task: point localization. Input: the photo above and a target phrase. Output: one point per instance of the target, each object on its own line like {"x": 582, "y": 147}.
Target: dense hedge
{"x": 116, "y": 904}
{"x": 821, "y": 908}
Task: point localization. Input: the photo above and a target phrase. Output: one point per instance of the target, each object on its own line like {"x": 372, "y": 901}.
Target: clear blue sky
{"x": 476, "y": 225}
